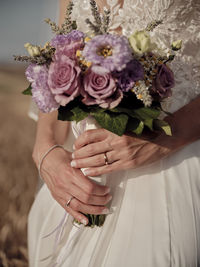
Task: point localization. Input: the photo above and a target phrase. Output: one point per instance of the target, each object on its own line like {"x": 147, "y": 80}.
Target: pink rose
{"x": 64, "y": 79}
{"x": 100, "y": 89}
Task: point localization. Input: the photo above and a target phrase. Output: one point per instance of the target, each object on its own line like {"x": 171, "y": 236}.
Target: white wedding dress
{"x": 155, "y": 219}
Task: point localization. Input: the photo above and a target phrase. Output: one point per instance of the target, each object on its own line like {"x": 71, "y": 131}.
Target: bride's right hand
{"x": 64, "y": 182}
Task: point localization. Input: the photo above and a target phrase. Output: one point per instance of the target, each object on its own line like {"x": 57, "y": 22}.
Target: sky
{"x": 21, "y": 21}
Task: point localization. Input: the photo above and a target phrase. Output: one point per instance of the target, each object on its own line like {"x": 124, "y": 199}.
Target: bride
{"x": 152, "y": 193}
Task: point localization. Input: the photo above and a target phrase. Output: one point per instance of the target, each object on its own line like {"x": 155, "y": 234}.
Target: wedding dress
{"x": 155, "y": 219}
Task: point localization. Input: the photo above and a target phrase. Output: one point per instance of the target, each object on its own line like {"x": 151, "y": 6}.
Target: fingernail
{"x": 73, "y": 163}
{"x": 109, "y": 199}
{"x": 86, "y": 172}
{"x": 108, "y": 190}
{"x": 83, "y": 221}
{"x": 74, "y": 147}
{"x": 105, "y": 211}
{"x": 73, "y": 155}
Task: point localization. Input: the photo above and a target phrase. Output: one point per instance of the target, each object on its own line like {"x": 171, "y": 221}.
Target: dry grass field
{"x": 18, "y": 175}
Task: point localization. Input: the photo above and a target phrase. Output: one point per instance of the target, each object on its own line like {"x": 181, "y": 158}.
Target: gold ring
{"x": 68, "y": 202}
{"x": 105, "y": 159}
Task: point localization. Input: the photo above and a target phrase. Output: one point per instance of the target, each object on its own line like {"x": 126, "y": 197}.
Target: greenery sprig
{"x": 43, "y": 55}
{"x": 152, "y": 25}
{"x": 106, "y": 20}
{"x": 54, "y": 27}
{"x": 68, "y": 24}
{"x": 101, "y": 21}
{"x": 37, "y": 60}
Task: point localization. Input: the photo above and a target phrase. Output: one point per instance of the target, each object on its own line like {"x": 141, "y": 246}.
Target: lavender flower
{"x": 128, "y": 76}
{"x": 68, "y": 44}
{"x": 109, "y": 51}
{"x": 65, "y": 39}
{"x": 37, "y": 75}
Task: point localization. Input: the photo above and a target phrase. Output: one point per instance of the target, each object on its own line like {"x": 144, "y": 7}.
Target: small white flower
{"x": 33, "y": 50}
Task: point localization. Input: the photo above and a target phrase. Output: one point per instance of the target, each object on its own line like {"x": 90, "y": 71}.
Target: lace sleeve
{"x": 181, "y": 20}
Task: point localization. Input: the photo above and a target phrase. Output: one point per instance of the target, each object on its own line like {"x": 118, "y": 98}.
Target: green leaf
{"x": 147, "y": 113}
{"x": 79, "y": 114}
{"x": 160, "y": 124}
{"x": 115, "y": 123}
{"x": 149, "y": 124}
{"x": 144, "y": 114}
{"x": 72, "y": 112}
{"x": 136, "y": 126}
{"x": 130, "y": 112}
{"x": 28, "y": 90}
{"x": 96, "y": 109}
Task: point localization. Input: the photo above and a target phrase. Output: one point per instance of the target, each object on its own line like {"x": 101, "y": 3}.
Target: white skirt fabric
{"x": 155, "y": 220}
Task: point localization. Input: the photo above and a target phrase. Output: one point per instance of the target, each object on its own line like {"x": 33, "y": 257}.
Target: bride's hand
{"x": 64, "y": 182}
{"x": 121, "y": 152}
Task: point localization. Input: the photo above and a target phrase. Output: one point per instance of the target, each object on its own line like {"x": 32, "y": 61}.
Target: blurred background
{"x": 21, "y": 21}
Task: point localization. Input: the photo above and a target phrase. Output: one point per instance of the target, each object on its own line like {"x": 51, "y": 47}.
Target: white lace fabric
{"x": 181, "y": 20}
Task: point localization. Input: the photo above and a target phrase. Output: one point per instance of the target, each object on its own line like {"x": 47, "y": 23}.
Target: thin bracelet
{"x": 44, "y": 156}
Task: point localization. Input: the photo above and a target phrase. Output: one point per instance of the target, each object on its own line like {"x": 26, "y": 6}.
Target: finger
{"x": 97, "y": 171}
{"x": 96, "y": 161}
{"x": 87, "y": 185}
{"x": 91, "y": 150}
{"x": 89, "y": 199}
{"x": 85, "y": 204}
{"x": 90, "y": 136}
{"x": 88, "y": 209}
{"x": 77, "y": 215}
{"x": 137, "y": 161}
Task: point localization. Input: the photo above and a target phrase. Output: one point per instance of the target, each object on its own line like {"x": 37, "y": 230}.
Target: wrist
{"x": 182, "y": 133}
{"x": 40, "y": 148}
{"x": 45, "y": 155}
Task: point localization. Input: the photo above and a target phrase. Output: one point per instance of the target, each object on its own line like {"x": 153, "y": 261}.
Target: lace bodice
{"x": 181, "y": 20}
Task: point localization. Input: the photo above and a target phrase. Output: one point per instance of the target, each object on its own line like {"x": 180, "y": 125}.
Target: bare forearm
{"x": 186, "y": 124}
{"x": 50, "y": 131}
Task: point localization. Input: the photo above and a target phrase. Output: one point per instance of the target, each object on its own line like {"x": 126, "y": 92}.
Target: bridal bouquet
{"x": 120, "y": 81}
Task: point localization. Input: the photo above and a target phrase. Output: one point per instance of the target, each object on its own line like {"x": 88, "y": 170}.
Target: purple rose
{"x": 64, "y": 79}
{"x": 68, "y": 44}
{"x": 128, "y": 76}
{"x": 37, "y": 75}
{"x": 163, "y": 82}
{"x": 100, "y": 89}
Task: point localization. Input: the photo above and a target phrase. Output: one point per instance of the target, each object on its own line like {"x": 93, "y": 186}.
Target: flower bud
{"x": 33, "y": 50}
{"x": 176, "y": 45}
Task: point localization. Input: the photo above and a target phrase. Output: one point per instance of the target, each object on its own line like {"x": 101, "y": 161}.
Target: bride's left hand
{"x": 122, "y": 153}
